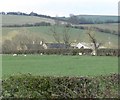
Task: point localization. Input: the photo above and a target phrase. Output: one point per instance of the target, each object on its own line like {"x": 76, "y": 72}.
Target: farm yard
{"x": 56, "y": 65}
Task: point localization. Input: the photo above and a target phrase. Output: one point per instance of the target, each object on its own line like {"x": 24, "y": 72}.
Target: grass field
{"x": 19, "y": 20}
{"x": 54, "y": 65}
{"x": 109, "y": 26}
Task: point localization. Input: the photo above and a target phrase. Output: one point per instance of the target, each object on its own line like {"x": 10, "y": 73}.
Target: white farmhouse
{"x": 82, "y": 45}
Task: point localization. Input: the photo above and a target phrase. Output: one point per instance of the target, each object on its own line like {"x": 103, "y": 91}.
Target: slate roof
{"x": 56, "y": 45}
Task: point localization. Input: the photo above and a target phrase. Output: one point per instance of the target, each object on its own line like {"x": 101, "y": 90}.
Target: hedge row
{"x": 51, "y": 51}
{"x": 28, "y": 24}
{"x": 28, "y": 86}
{"x": 108, "y": 52}
{"x": 101, "y": 52}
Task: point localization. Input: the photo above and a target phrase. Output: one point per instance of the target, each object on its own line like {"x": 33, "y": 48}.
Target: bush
{"x": 28, "y": 86}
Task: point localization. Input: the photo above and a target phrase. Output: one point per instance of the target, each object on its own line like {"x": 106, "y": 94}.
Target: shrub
{"x": 28, "y": 86}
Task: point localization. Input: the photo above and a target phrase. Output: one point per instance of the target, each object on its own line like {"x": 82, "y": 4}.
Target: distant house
{"x": 63, "y": 23}
{"x": 87, "y": 45}
{"x": 54, "y": 46}
{"x": 82, "y": 45}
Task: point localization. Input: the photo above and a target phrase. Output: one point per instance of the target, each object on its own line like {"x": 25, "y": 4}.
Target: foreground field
{"x": 59, "y": 65}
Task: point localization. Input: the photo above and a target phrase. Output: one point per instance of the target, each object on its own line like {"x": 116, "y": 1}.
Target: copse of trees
{"x": 19, "y": 41}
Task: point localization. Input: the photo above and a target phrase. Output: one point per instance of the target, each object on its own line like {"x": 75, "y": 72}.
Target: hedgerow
{"x": 101, "y": 52}
{"x": 43, "y": 87}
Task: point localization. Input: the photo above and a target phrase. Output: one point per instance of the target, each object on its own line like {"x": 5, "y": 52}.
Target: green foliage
{"x": 28, "y": 86}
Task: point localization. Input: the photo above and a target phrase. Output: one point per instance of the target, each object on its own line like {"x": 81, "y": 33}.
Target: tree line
{"x": 82, "y": 20}
{"x": 25, "y": 14}
{"x": 74, "y": 19}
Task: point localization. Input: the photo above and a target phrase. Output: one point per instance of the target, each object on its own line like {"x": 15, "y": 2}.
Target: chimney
{"x": 33, "y": 42}
{"x": 41, "y": 42}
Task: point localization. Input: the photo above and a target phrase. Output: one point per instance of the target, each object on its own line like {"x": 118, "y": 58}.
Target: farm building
{"x": 82, "y": 45}
{"x": 54, "y": 46}
{"x": 87, "y": 45}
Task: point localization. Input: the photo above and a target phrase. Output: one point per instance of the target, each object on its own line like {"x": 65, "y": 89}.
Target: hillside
{"x": 83, "y": 19}
{"x": 45, "y": 31}
{"x": 110, "y": 28}
{"x": 20, "y": 20}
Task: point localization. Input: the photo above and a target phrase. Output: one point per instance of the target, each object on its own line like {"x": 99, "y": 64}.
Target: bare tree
{"x": 93, "y": 39}
{"x": 54, "y": 30}
{"x": 66, "y": 36}
{"x": 65, "y": 33}
{"x": 55, "y": 33}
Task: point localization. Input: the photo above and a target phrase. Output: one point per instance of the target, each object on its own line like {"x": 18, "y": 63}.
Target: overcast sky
{"x": 61, "y": 7}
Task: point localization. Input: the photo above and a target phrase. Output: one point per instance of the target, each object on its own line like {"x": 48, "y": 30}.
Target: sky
{"x": 61, "y": 7}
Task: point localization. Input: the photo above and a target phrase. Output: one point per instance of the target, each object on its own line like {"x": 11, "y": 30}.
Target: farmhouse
{"x": 82, "y": 45}
{"x": 54, "y": 46}
{"x": 87, "y": 45}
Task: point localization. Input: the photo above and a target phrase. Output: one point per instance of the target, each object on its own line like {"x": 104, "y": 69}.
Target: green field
{"x": 109, "y": 26}
{"x": 54, "y": 65}
{"x": 19, "y": 20}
